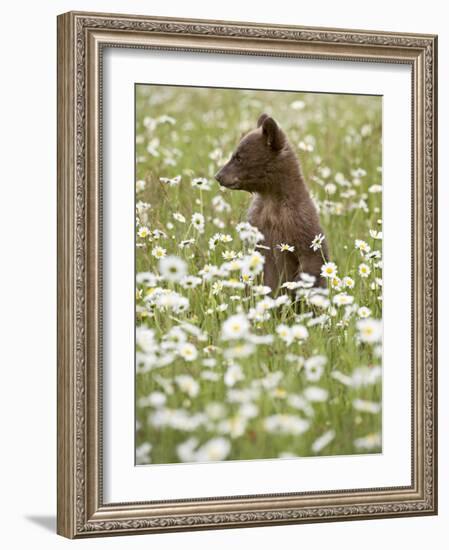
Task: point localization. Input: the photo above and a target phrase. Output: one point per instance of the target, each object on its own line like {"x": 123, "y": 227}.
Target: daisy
{"x": 198, "y": 222}
{"x": 330, "y": 188}
{"x": 172, "y": 268}
{"x": 368, "y": 442}
{"x": 159, "y": 252}
{"x": 336, "y": 283}
{"x": 375, "y": 234}
{"x": 144, "y": 232}
{"x": 370, "y": 330}
{"x": 315, "y": 394}
{"x": 236, "y": 326}
{"x": 317, "y": 242}
{"x": 201, "y": 183}
{"x": 343, "y": 299}
{"x": 229, "y": 254}
{"x": 329, "y": 270}
{"x": 233, "y": 375}
{"x": 363, "y": 312}
{"x": 217, "y": 287}
{"x": 366, "y": 406}
{"x": 284, "y": 332}
{"x": 179, "y": 217}
{"x": 318, "y": 300}
{"x": 323, "y": 441}
{"x": 187, "y": 384}
{"x": 143, "y": 453}
{"x": 215, "y": 449}
{"x": 286, "y": 424}
{"x": 348, "y": 282}
{"x": 171, "y": 182}
{"x": 188, "y": 352}
{"x": 252, "y": 265}
{"x": 314, "y": 367}
{"x": 375, "y": 188}
{"x": 299, "y": 332}
{"x": 186, "y": 243}
{"x": 261, "y": 290}
{"x": 364, "y": 270}
{"x": 220, "y": 205}
{"x": 190, "y": 281}
{"x": 363, "y": 246}
{"x": 155, "y": 399}
{"x": 285, "y": 247}
{"x": 298, "y": 105}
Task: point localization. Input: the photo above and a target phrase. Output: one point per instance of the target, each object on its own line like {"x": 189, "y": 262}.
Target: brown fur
{"x": 265, "y": 165}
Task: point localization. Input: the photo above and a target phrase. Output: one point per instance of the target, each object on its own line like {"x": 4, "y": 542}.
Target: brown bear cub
{"x": 265, "y": 165}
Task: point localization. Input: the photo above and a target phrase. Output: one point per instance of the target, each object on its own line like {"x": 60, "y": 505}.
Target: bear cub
{"x": 265, "y": 165}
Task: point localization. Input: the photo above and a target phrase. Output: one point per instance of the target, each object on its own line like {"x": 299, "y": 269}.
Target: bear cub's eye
{"x": 238, "y": 157}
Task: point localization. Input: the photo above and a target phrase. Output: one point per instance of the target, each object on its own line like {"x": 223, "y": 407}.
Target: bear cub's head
{"x": 256, "y": 158}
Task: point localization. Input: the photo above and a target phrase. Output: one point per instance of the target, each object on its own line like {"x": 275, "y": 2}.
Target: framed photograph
{"x": 247, "y": 274}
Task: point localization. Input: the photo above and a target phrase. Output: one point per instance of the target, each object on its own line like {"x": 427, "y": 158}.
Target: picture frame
{"x": 82, "y": 40}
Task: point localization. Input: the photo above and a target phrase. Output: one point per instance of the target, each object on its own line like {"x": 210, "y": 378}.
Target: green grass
{"x": 338, "y": 140}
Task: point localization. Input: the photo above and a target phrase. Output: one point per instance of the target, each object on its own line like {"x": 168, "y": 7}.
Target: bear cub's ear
{"x": 273, "y": 134}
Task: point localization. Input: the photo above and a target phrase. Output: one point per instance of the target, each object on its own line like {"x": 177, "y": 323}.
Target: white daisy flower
{"x": 213, "y": 450}
{"x": 298, "y": 105}
{"x": 314, "y": 367}
{"x": 190, "y": 281}
{"x": 364, "y": 270}
{"x": 283, "y": 247}
{"x": 329, "y": 270}
{"x": 143, "y": 232}
{"x": 323, "y": 441}
{"x": 317, "y": 242}
{"x": 363, "y": 312}
{"x": 368, "y": 442}
{"x": 330, "y": 188}
{"x": 375, "y": 234}
{"x": 370, "y": 330}
{"x": 315, "y": 394}
{"x": 363, "y": 246}
{"x": 236, "y": 326}
{"x": 179, "y": 217}
{"x": 185, "y": 450}
{"x": 336, "y": 283}
{"x": 299, "y": 332}
{"x": 366, "y": 406}
{"x": 284, "y": 332}
{"x": 233, "y": 375}
{"x": 154, "y": 399}
{"x": 343, "y": 299}
{"x": 198, "y": 222}
{"x": 187, "y": 384}
{"x": 286, "y": 424}
{"x": 201, "y": 183}
{"x": 171, "y": 182}
{"x": 261, "y": 290}
{"x": 188, "y": 351}
{"x": 143, "y": 453}
{"x": 375, "y": 188}
{"x": 318, "y": 300}
{"x": 172, "y": 268}
{"x": 159, "y": 252}
{"x": 253, "y": 264}
{"x": 348, "y": 282}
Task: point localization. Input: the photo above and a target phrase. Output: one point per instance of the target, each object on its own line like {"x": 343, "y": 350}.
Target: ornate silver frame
{"x": 81, "y": 39}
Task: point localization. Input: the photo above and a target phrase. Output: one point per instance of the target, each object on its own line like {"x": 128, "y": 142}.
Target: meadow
{"x": 224, "y": 369}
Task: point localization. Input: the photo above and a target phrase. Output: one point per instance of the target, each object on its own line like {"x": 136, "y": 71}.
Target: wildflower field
{"x": 225, "y": 370}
